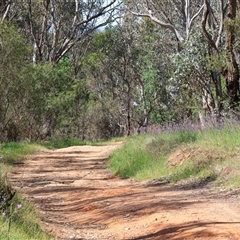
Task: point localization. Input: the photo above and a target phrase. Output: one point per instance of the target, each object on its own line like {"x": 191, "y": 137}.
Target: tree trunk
{"x": 232, "y": 71}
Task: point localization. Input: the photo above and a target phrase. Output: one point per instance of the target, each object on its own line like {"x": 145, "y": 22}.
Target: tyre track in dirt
{"x": 78, "y": 198}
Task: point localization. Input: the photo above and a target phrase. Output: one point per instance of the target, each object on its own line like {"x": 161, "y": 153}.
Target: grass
{"x": 13, "y": 151}
{"x": 22, "y": 223}
{"x": 144, "y": 156}
{"x": 199, "y": 155}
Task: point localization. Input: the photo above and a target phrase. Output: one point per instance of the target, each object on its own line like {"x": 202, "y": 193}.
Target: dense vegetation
{"x": 94, "y": 70}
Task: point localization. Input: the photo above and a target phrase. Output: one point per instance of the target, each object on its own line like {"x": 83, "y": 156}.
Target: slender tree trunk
{"x": 128, "y": 127}
{"x": 216, "y": 77}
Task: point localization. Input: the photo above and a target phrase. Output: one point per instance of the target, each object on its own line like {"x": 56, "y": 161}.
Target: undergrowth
{"x": 19, "y": 219}
{"x": 200, "y": 156}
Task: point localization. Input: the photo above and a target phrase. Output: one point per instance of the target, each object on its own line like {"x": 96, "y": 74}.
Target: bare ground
{"x": 78, "y": 198}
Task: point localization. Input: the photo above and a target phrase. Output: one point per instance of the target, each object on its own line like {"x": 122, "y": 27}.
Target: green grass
{"x": 13, "y": 151}
{"x": 135, "y": 159}
{"x": 205, "y": 154}
{"x": 144, "y": 156}
{"x": 25, "y": 222}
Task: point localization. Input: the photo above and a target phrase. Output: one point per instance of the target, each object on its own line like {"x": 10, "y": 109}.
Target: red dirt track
{"x": 78, "y": 198}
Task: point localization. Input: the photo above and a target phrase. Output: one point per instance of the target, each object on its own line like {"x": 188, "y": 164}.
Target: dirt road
{"x": 79, "y": 199}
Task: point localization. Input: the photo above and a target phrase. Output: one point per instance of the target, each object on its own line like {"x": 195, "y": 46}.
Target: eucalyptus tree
{"x": 34, "y": 97}
{"x": 5, "y": 7}
{"x": 154, "y": 101}
{"x": 127, "y": 71}
{"x": 232, "y": 70}
{"x": 54, "y": 27}
{"x": 180, "y": 20}
{"x": 56, "y": 30}
{"x": 177, "y": 16}
{"x": 113, "y": 77}
{"x": 219, "y": 28}
{"x": 216, "y": 19}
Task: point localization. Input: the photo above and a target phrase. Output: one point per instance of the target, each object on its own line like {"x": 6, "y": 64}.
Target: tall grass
{"x": 144, "y": 156}
{"x": 203, "y": 156}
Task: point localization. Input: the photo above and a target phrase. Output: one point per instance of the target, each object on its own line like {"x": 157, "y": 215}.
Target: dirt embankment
{"x": 79, "y": 199}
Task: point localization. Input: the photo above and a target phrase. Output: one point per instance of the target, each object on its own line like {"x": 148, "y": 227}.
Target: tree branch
{"x": 196, "y": 15}
{"x": 221, "y": 24}
{"x": 204, "y": 21}
{"x": 6, "y": 11}
{"x": 161, "y": 23}
{"x": 70, "y": 40}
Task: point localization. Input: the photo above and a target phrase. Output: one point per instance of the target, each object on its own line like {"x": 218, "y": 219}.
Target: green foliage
{"x": 126, "y": 74}
{"x": 232, "y": 26}
{"x": 14, "y": 52}
{"x": 188, "y": 61}
{"x": 53, "y": 99}
{"x": 14, "y": 55}
{"x": 200, "y": 170}
{"x": 217, "y": 62}
{"x": 190, "y": 75}
{"x": 237, "y": 28}
{"x": 50, "y": 87}
{"x": 134, "y": 68}
{"x": 166, "y": 143}
{"x": 186, "y": 136}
